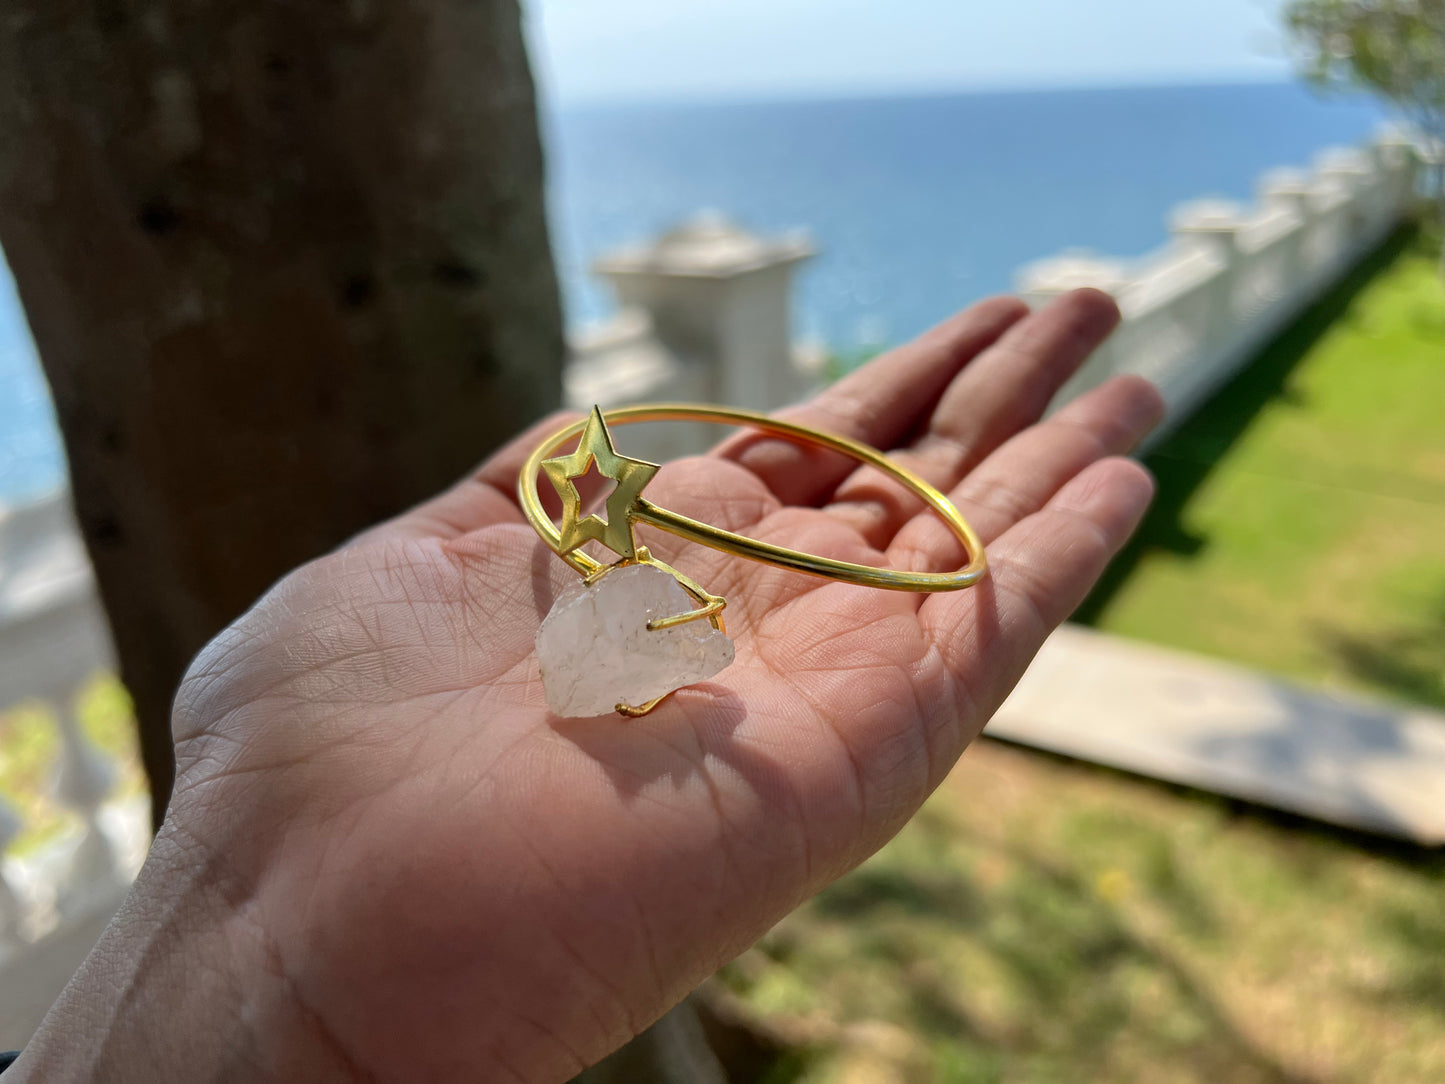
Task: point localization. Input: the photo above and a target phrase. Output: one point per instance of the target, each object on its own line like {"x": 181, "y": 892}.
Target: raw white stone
{"x": 596, "y": 650}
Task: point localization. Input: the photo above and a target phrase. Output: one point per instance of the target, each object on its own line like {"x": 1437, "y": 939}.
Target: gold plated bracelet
{"x": 638, "y": 623}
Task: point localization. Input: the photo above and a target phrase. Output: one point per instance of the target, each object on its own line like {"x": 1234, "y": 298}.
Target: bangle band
{"x": 644, "y": 511}
{"x": 626, "y": 507}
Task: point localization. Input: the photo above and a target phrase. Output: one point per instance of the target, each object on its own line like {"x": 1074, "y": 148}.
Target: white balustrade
{"x": 12, "y": 908}
{"x": 53, "y": 640}
{"x": 1233, "y": 277}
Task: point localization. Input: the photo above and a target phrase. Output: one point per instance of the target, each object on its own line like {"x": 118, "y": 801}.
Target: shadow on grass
{"x": 1187, "y": 457}
{"x": 1041, "y": 972}
{"x": 1080, "y": 983}
{"x": 1419, "y": 936}
{"x": 1409, "y": 662}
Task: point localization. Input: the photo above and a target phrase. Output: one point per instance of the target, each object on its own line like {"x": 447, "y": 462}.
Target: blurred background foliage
{"x": 30, "y": 756}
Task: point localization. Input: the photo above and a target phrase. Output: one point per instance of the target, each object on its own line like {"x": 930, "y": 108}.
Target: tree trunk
{"x": 288, "y": 271}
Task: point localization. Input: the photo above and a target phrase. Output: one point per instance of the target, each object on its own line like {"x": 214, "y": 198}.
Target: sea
{"x": 917, "y": 205}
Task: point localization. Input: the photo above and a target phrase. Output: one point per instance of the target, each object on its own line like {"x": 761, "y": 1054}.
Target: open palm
{"x": 432, "y": 878}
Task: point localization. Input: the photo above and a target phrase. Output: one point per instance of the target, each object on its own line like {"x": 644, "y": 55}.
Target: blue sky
{"x": 726, "y": 49}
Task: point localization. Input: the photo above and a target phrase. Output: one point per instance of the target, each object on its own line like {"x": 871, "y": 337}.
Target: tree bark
{"x": 288, "y": 271}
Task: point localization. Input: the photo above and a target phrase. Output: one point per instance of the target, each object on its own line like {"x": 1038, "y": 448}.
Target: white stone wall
{"x": 53, "y": 638}
{"x": 1232, "y": 277}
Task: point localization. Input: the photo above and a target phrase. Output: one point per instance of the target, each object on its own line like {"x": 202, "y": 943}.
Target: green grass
{"x": 1301, "y": 512}
{"x": 1045, "y": 921}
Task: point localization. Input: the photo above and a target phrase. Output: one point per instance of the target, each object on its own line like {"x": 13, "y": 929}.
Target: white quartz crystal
{"x": 596, "y": 650}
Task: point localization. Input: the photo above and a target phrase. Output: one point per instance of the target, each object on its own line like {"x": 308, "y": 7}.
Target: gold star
{"x": 631, "y": 475}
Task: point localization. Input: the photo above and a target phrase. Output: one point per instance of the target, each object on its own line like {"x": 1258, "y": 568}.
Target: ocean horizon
{"x": 920, "y": 204}
{"x": 917, "y": 203}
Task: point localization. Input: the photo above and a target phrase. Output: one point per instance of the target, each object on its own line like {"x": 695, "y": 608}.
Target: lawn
{"x": 1046, "y": 921}
{"x": 1301, "y": 512}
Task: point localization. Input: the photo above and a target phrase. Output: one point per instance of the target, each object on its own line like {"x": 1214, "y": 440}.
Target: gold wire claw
{"x": 636, "y": 713}
{"x": 712, "y": 605}
{"x": 711, "y": 609}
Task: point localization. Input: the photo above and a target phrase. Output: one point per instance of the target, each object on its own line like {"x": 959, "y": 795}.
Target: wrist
{"x": 182, "y": 985}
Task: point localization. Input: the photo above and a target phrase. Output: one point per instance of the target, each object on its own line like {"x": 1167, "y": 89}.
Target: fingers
{"x": 487, "y": 496}
{"x": 1020, "y": 477}
{"x": 879, "y": 404}
{"x": 1039, "y": 571}
{"x": 1004, "y": 390}
{"x": 1019, "y": 361}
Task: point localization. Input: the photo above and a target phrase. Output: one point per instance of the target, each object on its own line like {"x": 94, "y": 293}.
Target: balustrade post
{"x": 1351, "y": 172}
{"x": 84, "y": 780}
{"x": 1396, "y": 159}
{"x": 1289, "y": 190}
{"x": 1042, "y": 281}
{"x": 720, "y": 298}
{"x": 12, "y": 909}
{"x": 1213, "y": 226}
{"x": 1347, "y": 167}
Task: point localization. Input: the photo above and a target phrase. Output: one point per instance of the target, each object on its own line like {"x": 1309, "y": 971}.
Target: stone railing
{"x": 1232, "y": 277}
{"x": 56, "y": 895}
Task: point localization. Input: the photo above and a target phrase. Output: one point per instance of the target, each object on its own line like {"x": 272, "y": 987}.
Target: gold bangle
{"x": 626, "y": 507}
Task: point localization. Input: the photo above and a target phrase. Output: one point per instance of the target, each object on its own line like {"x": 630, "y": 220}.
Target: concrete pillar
{"x": 719, "y": 298}
{"x": 1042, "y": 281}
{"x": 1213, "y": 226}
{"x": 1397, "y": 158}
{"x": 1352, "y": 172}
{"x": 1209, "y": 224}
{"x": 1287, "y": 190}
{"x": 1292, "y": 191}
{"x": 1348, "y": 167}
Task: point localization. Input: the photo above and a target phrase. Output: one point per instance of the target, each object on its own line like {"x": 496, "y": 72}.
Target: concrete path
{"x": 1338, "y": 758}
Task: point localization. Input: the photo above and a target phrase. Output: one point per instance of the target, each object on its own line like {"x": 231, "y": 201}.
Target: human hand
{"x": 385, "y": 858}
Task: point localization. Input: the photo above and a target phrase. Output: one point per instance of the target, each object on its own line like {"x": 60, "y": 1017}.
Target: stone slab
{"x": 1339, "y": 758}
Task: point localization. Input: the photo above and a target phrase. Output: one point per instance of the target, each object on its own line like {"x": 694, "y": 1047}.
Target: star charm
{"x": 631, "y": 475}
